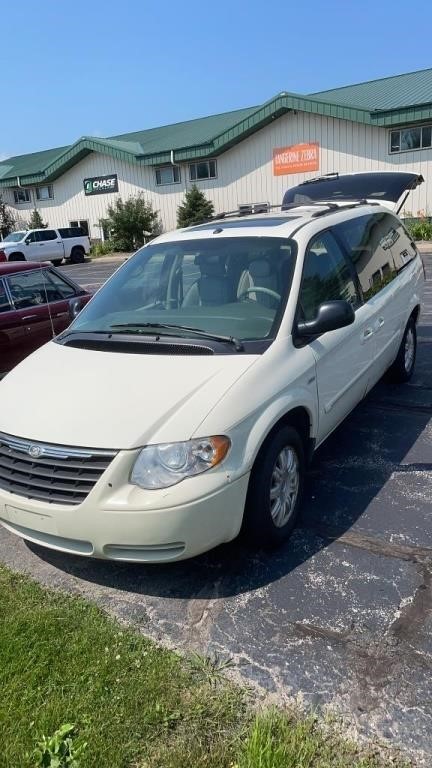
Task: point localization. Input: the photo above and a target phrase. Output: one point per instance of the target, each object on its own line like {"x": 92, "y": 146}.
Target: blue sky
{"x": 100, "y": 67}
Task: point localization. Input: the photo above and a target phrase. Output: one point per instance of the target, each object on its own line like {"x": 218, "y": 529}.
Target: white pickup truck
{"x": 46, "y": 245}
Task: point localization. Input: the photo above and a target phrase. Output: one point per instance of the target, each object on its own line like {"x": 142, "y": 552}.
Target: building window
{"x": 204, "y": 170}
{"x": 22, "y": 195}
{"x": 168, "y": 174}
{"x": 45, "y": 193}
{"x": 83, "y": 224}
{"x": 407, "y": 139}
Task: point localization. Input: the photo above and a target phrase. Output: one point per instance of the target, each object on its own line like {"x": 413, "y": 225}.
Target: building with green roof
{"x": 237, "y": 158}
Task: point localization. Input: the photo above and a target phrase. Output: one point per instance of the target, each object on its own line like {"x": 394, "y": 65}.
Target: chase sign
{"x": 100, "y": 185}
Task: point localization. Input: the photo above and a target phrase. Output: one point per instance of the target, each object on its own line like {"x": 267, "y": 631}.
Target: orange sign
{"x": 299, "y": 158}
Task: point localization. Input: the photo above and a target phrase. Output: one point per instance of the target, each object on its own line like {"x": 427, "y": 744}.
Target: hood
{"x": 112, "y": 400}
{"x": 385, "y": 187}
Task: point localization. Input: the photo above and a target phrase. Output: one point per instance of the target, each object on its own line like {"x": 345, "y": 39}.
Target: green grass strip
{"x": 105, "y": 697}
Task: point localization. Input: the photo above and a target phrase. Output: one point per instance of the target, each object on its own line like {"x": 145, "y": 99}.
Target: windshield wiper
{"x": 139, "y": 327}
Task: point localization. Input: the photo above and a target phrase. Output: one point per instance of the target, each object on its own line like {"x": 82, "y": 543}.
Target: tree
{"x": 7, "y": 219}
{"x": 35, "y": 221}
{"x": 194, "y": 209}
{"x": 131, "y": 223}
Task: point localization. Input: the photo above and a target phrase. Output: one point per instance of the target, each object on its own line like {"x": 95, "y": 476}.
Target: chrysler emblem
{"x": 35, "y": 451}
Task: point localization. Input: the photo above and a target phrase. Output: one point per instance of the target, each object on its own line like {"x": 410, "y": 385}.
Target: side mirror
{"x": 27, "y": 241}
{"x": 330, "y": 316}
{"x": 75, "y": 307}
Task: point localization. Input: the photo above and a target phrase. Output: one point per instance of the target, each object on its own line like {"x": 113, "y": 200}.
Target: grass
{"x": 77, "y": 689}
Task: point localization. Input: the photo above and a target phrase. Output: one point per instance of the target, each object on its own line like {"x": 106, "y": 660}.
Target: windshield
{"x": 14, "y": 237}
{"x": 232, "y": 287}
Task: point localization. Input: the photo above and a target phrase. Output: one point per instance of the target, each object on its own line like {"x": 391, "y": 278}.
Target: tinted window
{"x": 66, "y": 232}
{"x": 4, "y": 302}
{"x": 30, "y": 289}
{"x": 379, "y": 247}
{"x": 356, "y": 186}
{"x": 65, "y": 290}
{"x": 46, "y": 234}
{"x": 326, "y": 276}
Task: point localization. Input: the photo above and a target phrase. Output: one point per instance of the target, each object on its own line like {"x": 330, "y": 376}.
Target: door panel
{"x": 343, "y": 357}
{"x": 380, "y": 249}
{"x": 12, "y": 337}
{"x": 30, "y": 292}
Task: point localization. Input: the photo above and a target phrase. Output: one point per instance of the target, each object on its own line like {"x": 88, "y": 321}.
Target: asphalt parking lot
{"x": 342, "y": 615}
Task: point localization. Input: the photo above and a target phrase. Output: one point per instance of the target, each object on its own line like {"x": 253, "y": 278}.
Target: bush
{"x": 420, "y": 229}
{"x": 194, "y": 209}
{"x": 35, "y": 221}
{"x": 131, "y": 223}
{"x": 102, "y": 248}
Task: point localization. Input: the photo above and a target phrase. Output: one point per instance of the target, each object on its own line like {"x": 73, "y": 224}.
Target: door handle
{"x": 29, "y": 317}
{"x": 367, "y": 333}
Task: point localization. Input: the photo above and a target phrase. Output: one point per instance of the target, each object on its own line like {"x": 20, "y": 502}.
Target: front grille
{"x": 51, "y": 473}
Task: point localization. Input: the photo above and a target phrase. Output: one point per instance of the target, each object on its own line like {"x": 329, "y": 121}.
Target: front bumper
{"x": 130, "y": 524}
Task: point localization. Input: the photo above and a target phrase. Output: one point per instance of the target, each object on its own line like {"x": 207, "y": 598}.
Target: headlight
{"x": 159, "y": 466}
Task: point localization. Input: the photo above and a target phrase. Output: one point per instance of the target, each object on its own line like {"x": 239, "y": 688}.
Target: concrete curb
{"x": 424, "y": 246}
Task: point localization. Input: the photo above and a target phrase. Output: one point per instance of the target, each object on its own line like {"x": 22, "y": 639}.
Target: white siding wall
{"x": 245, "y": 173}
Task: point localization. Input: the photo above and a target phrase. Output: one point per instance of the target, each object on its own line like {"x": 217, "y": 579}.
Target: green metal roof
{"x": 386, "y": 102}
{"x": 412, "y": 88}
{"x": 187, "y": 134}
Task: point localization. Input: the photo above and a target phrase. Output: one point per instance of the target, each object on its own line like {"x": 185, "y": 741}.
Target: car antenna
{"x": 48, "y": 304}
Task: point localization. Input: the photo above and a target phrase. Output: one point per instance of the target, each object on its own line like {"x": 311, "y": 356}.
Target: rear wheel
{"x": 403, "y": 367}
{"x": 77, "y": 255}
{"x": 56, "y": 262}
{"x": 275, "y": 489}
{"x": 16, "y": 257}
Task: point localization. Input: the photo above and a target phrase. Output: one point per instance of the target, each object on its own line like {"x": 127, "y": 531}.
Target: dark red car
{"x": 36, "y": 302}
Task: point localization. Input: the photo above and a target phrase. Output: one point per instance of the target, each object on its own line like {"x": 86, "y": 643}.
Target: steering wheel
{"x": 260, "y": 289}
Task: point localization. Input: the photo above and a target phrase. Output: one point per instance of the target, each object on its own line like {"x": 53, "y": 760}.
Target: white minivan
{"x": 183, "y": 403}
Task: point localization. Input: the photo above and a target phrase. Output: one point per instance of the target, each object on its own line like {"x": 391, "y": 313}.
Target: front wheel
{"x": 56, "y": 262}
{"x": 275, "y": 489}
{"x": 403, "y": 367}
{"x": 77, "y": 255}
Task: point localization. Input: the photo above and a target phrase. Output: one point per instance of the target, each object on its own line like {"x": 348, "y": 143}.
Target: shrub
{"x": 420, "y": 229}
{"x": 102, "y": 248}
{"x": 194, "y": 209}
{"x": 131, "y": 223}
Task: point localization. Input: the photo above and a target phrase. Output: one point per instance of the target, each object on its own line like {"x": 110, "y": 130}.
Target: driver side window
{"x": 326, "y": 276}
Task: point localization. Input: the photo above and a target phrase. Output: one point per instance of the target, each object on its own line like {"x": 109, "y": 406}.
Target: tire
{"x": 403, "y": 367}
{"x": 77, "y": 255}
{"x": 267, "y": 524}
{"x": 16, "y": 257}
{"x": 56, "y": 262}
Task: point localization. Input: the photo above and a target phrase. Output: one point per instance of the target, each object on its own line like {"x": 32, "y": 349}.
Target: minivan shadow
{"x": 348, "y": 473}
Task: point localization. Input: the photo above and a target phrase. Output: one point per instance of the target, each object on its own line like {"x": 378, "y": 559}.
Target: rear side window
{"x": 379, "y": 247}
{"x": 4, "y": 301}
{"x": 326, "y": 276}
{"x": 65, "y": 290}
{"x": 46, "y": 234}
{"x": 66, "y": 232}
{"x": 31, "y": 289}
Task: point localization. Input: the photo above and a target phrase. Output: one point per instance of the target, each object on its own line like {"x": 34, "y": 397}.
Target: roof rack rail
{"x": 345, "y": 207}
{"x": 245, "y": 210}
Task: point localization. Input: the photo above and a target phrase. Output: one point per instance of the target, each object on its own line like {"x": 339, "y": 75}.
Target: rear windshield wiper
{"x": 140, "y": 327}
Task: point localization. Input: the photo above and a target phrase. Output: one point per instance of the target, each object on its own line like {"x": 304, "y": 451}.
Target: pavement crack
{"x": 413, "y": 615}
{"x": 406, "y": 552}
{"x": 313, "y": 630}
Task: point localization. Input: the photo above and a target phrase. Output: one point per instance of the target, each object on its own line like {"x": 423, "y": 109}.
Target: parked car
{"x": 214, "y": 362}
{"x": 36, "y": 302}
{"x": 46, "y": 245}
